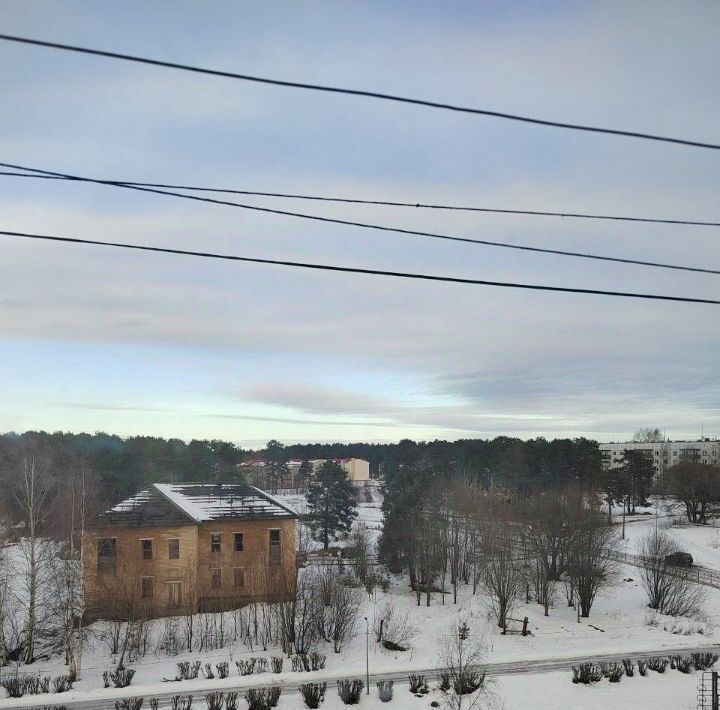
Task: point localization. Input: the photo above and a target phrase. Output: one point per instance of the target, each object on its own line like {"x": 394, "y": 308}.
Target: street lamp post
{"x": 367, "y": 654}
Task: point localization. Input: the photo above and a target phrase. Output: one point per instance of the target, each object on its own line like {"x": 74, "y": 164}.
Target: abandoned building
{"x": 178, "y": 548}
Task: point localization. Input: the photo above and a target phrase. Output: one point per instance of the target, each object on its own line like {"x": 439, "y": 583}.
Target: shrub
{"x": 587, "y": 673}
{"x": 313, "y": 694}
{"x": 261, "y": 665}
{"x": 187, "y": 671}
{"x": 615, "y": 673}
{"x": 657, "y": 664}
{"x": 215, "y": 700}
{"x": 444, "y": 684}
{"x": 684, "y": 664}
{"x": 629, "y": 667}
{"x": 129, "y": 704}
{"x": 207, "y": 671}
{"x": 63, "y": 683}
{"x": 273, "y": 695}
{"x": 297, "y": 663}
{"x": 246, "y": 667}
{"x": 223, "y": 669}
{"x": 642, "y": 667}
{"x": 262, "y": 698}
{"x": 276, "y": 663}
{"x": 418, "y": 684}
{"x": 154, "y": 703}
{"x": 392, "y": 646}
{"x": 106, "y": 679}
{"x": 122, "y": 678}
{"x": 14, "y": 686}
{"x": 177, "y": 702}
{"x": 317, "y": 661}
{"x": 385, "y": 690}
{"x": 231, "y": 700}
{"x": 350, "y": 691}
{"x": 468, "y": 682}
{"x": 703, "y": 661}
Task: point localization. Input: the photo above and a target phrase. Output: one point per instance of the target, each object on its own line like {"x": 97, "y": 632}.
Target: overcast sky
{"x": 97, "y": 339}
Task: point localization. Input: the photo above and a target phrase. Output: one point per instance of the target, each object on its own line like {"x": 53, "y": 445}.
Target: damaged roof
{"x": 186, "y": 503}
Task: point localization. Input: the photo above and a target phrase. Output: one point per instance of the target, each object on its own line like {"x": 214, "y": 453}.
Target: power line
{"x": 355, "y": 92}
{"x": 354, "y": 270}
{"x": 382, "y": 203}
{"x": 377, "y": 227}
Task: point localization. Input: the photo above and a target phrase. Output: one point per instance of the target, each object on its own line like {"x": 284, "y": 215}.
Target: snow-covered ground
{"x": 620, "y": 622}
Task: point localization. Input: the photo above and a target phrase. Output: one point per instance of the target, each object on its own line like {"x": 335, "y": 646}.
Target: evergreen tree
{"x": 305, "y": 473}
{"x": 331, "y": 503}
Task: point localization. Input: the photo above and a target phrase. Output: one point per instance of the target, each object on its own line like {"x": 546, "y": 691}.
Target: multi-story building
{"x": 663, "y": 454}
{"x": 187, "y": 547}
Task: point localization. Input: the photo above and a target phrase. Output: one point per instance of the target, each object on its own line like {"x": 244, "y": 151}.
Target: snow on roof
{"x": 214, "y": 501}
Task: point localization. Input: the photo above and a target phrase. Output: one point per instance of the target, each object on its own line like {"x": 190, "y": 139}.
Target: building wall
{"x": 120, "y": 595}
{"x": 664, "y": 454}
{"x": 260, "y": 579}
{"x": 357, "y": 469}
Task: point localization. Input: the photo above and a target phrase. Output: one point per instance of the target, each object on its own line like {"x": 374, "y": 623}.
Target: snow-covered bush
{"x": 313, "y": 694}
{"x": 215, "y": 700}
{"x": 350, "y": 691}
{"x": 629, "y": 667}
{"x": 262, "y": 698}
{"x": 385, "y": 690}
{"x": 703, "y": 661}
{"x": 178, "y": 702}
{"x": 129, "y": 704}
{"x": 642, "y": 667}
{"x": 658, "y": 664}
{"x": 223, "y": 669}
{"x": 418, "y": 684}
{"x": 276, "y": 662}
{"x": 246, "y": 667}
{"x": 64, "y": 683}
{"x": 207, "y": 672}
{"x": 231, "y": 700}
{"x": 615, "y": 672}
{"x": 121, "y": 678}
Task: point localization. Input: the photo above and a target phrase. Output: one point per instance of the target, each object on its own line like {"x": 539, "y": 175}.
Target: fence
{"x": 707, "y": 697}
{"x": 701, "y": 575}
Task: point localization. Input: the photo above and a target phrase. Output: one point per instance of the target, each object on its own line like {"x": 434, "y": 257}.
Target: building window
{"x": 274, "y": 551}
{"x": 173, "y": 548}
{"x": 146, "y": 547}
{"x": 239, "y": 577}
{"x": 107, "y": 555}
{"x": 215, "y": 578}
{"x": 146, "y": 587}
{"x": 174, "y": 597}
{"x": 238, "y": 542}
{"x": 215, "y": 542}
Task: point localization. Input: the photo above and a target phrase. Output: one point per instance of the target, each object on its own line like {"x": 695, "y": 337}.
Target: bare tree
{"x": 32, "y": 495}
{"x": 462, "y": 659}
{"x": 589, "y": 564}
{"x": 504, "y": 574}
{"x": 669, "y": 588}
{"x": 648, "y": 435}
{"x": 342, "y": 614}
{"x": 393, "y": 626}
{"x": 697, "y": 487}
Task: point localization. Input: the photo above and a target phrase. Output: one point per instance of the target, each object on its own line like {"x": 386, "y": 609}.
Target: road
{"x": 292, "y": 684}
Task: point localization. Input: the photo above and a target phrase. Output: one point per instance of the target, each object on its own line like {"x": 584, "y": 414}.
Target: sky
{"x": 94, "y": 339}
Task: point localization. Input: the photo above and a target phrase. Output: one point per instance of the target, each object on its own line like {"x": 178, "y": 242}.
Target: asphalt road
{"x": 291, "y": 685}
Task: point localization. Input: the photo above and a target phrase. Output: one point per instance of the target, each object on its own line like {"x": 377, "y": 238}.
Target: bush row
{"x": 17, "y": 685}
{"x": 587, "y": 673}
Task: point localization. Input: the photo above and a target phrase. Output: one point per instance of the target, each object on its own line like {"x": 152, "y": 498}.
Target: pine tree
{"x": 331, "y": 503}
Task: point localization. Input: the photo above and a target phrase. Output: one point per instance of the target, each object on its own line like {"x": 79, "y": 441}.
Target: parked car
{"x": 679, "y": 559}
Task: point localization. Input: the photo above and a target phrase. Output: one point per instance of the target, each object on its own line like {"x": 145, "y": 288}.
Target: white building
{"x": 663, "y": 454}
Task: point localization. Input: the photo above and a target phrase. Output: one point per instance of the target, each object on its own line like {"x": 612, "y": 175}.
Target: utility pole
{"x": 367, "y": 654}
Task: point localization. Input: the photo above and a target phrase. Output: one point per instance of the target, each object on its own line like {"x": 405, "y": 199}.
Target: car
{"x": 679, "y": 559}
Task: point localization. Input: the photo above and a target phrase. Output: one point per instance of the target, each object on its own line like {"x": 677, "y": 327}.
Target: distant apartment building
{"x": 663, "y": 454}
{"x": 178, "y": 548}
{"x": 357, "y": 471}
